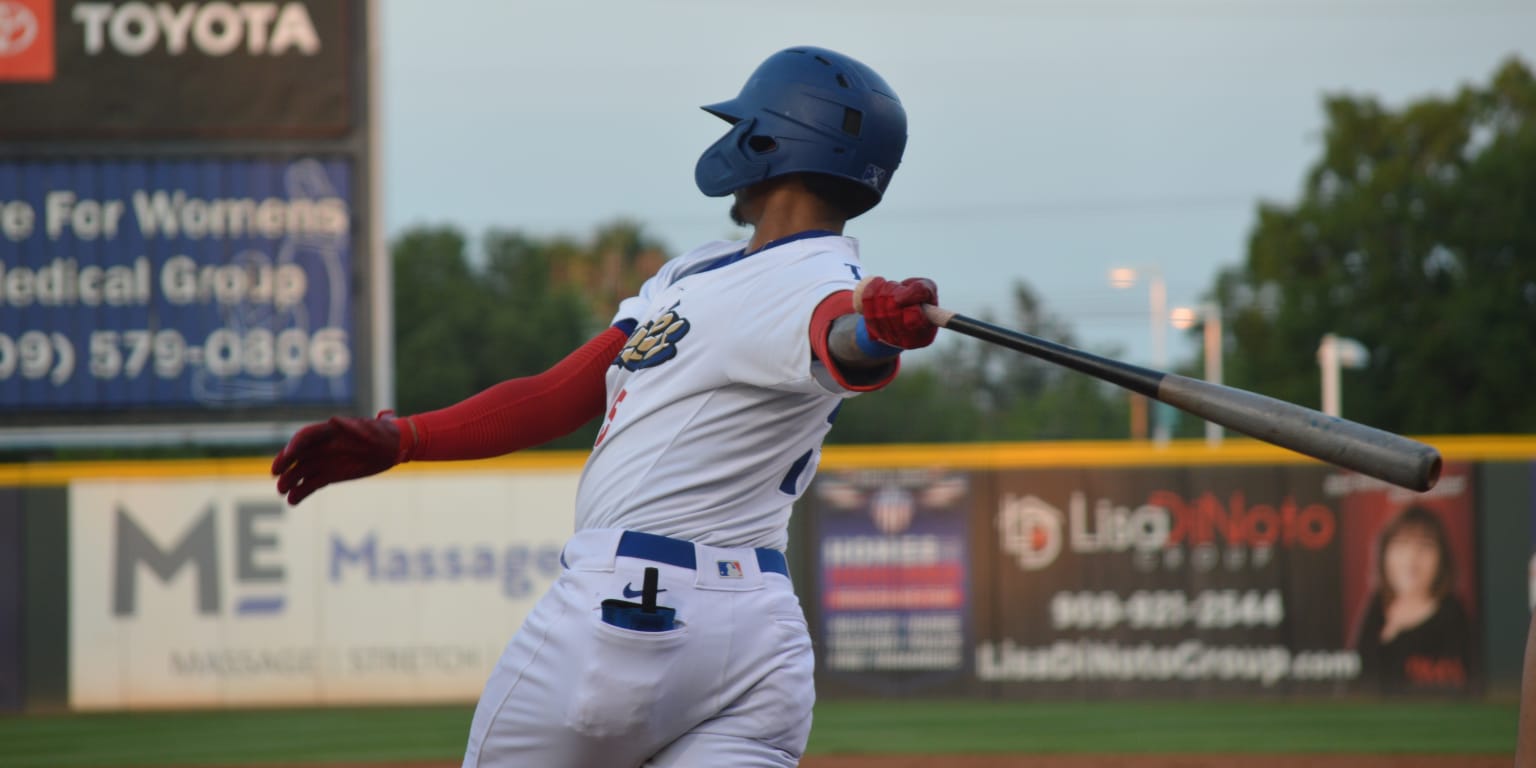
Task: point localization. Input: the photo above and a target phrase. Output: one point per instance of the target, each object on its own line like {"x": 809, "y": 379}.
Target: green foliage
{"x": 918, "y": 407}
{"x": 1416, "y": 235}
{"x": 464, "y": 325}
{"x": 1022, "y": 398}
{"x": 439, "y": 303}
{"x": 531, "y": 321}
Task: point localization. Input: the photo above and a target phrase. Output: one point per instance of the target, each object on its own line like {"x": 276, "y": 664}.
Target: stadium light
{"x": 1183, "y": 318}
{"x": 1333, "y": 353}
{"x": 1157, "y": 299}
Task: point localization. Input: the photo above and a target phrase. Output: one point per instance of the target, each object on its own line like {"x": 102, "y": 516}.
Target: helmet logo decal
{"x": 655, "y": 342}
{"x": 874, "y": 176}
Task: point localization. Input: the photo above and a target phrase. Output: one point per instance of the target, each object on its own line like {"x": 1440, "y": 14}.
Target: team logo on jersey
{"x": 655, "y": 342}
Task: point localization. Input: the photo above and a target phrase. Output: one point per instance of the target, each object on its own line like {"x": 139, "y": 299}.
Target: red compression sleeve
{"x": 518, "y": 413}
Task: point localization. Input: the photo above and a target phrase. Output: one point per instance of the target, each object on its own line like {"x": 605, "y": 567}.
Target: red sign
{"x": 26, "y": 41}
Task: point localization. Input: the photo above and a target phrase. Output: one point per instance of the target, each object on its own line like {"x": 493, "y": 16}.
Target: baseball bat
{"x": 1367, "y": 450}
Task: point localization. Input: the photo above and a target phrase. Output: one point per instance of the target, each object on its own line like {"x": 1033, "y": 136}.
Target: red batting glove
{"x": 893, "y": 312}
{"x": 341, "y": 448}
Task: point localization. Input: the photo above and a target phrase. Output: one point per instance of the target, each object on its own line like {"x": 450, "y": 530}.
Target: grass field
{"x": 422, "y": 734}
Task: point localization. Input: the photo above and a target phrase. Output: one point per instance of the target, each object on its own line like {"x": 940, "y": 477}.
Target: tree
{"x": 439, "y": 305}
{"x": 1414, "y": 235}
{"x": 1023, "y": 398}
{"x": 920, "y": 406}
{"x": 463, "y": 324}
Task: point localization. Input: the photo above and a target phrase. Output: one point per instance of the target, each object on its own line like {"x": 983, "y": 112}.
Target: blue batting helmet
{"x": 807, "y": 110}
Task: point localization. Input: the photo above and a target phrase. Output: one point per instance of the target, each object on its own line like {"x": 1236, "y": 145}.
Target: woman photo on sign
{"x": 1414, "y": 635}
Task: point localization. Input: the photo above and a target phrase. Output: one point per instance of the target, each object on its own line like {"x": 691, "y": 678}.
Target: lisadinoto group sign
{"x": 192, "y": 284}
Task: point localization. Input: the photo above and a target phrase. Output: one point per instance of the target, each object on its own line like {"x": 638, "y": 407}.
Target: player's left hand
{"x": 893, "y": 311}
{"x": 341, "y": 448}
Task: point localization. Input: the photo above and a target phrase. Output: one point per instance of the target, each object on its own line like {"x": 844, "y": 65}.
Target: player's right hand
{"x": 893, "y": 311}
{"x": 340, "y": 448}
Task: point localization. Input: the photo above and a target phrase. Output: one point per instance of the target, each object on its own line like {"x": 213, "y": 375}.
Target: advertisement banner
{"x": 191, "y": 285}
{"x": 1198, "y": 581}
{"x": 196, "y": 593}
{"x": 894, "y": 596}
{"x": 1410, "y": 583}
{"x": 75, "y": 69}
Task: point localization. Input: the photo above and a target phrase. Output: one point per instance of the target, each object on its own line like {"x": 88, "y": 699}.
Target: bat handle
{"x": 858, "y": 293}
{"x": 938, "y": 315}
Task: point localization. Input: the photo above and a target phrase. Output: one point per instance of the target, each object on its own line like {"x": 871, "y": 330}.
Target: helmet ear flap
{"x": 730, "y": 163}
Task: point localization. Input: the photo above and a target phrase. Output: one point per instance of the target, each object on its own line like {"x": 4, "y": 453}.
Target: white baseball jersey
{"x": 717, "y": 409}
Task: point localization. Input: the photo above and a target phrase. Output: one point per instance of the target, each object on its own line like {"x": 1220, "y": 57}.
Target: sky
{"x": 1050, "y": 141}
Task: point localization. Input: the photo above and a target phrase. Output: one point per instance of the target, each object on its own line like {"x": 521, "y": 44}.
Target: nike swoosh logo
{"x": 634, "y": 593}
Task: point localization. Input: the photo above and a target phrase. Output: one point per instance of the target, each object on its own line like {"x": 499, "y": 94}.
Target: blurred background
{"x": 221, "y": 221}
{"x": 1080, "y": 170}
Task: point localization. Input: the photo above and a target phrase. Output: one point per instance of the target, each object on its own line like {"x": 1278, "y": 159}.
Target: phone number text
{"x": 167, "y": 354}
{"x": 1168, "y": 609}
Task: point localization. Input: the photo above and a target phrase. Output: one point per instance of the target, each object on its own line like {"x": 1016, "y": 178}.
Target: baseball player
{"x": 673, "y": 636}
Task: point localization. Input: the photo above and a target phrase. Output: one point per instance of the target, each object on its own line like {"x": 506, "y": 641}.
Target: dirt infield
{"x": 1093, "y": 761}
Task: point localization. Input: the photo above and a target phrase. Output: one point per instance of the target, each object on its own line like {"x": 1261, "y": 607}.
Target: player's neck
{"x": 786, "y": 213}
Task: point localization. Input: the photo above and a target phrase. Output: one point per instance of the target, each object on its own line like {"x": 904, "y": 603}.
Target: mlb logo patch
{"x": 729, "y": 569}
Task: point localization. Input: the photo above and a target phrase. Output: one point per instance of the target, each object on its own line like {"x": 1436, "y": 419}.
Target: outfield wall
{"x": 1081, "y": 570}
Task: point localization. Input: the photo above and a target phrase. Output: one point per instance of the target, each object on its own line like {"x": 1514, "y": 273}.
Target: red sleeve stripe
{"x": 832, "y": 307}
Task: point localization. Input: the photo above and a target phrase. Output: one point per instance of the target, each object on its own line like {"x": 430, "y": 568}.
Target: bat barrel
{"x": 1378, "y": 453}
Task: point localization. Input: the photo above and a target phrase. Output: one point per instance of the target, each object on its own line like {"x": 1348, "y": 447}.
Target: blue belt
{"x": 660, "y": 549}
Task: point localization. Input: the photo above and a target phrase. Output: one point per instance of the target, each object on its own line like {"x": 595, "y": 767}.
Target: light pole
{"x": 1334, "y": 352}
{"x": 1184, "y": 318}
{"x": 1157, "y": 300}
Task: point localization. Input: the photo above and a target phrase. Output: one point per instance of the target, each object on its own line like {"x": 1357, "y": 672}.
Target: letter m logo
{"x": 134, "y": 546}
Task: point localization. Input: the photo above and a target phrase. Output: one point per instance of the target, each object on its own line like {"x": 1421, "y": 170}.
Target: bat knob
{"x": 1430, "y": 475}
{"x": 858, "y": 294}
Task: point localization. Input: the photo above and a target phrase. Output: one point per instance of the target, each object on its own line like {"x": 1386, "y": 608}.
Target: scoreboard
{"x": 187, "y": 233}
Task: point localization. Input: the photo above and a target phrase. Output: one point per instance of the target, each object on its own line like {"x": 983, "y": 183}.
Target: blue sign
{"x": 894, "y": 578}
{"x": 175, "y": 284}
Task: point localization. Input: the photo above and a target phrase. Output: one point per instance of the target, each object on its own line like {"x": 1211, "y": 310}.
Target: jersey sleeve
{"x": 773, "y": 337}
{"x": 852, "y": 379}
